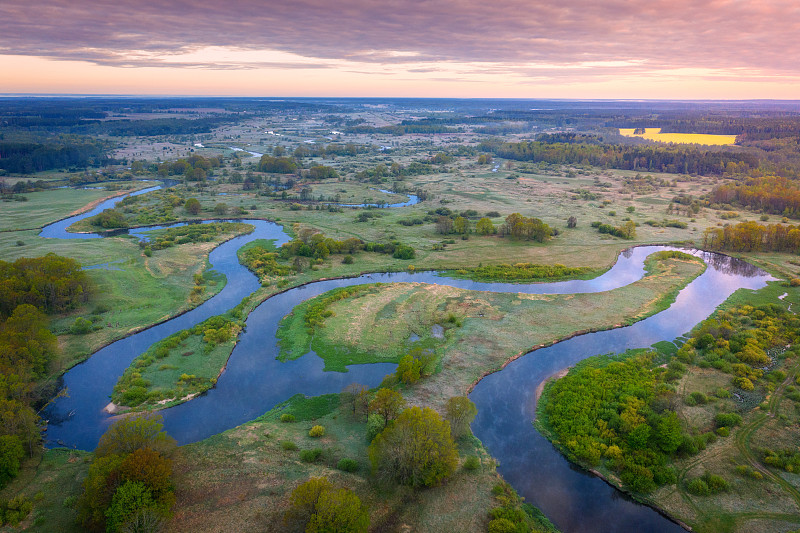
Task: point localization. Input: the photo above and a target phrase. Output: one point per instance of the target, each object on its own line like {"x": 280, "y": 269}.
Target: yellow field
{"x": 654, "y": 134}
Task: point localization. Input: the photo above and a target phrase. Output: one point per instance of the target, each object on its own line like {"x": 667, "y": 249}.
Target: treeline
{"x": 318, "y": 246}
{"x": 193, "y": 168}
{"x": 332, "y": 149}
{"x": 30, "y": 156}
{"x": 771, "y": 194}
{"x": 380, "y": 172}
{"x": 673, "y": 159}
{"x": 52, "y": 283}
{"x": 403, "y": 129}
{"x": 753, "y": 237}
{"x": 29, "y": 288}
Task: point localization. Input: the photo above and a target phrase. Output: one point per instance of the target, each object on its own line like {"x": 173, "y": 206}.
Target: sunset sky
{"x": 681, "y": 49}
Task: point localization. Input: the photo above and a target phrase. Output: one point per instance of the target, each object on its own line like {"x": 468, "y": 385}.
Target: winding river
{"x": 254, "y": 380}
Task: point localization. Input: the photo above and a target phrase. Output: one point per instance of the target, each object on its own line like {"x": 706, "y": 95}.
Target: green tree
{"x": 11, "y": 454}
{"x": 460, "y": 412}
{"x": 416, "y": 449}
{"x": 338, "y": 511}
{"x": 135, "y": 433}
{"x": 388, "y": 404}
{"x": 129, "y": 498}
{"x": 192, "y": 206}
{"x": 668, "y": 432}
{"x": 461, "y": 225}
{"x": 484, "y": 226}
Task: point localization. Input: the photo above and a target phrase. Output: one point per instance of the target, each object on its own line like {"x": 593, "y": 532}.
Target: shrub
{"x": 698, "y": 487}
{"x": 347, "y": 260}
{"x": 472, "y": 463}
{"x": 311, "y": 456}
{"x": 347, "y": 465}
{"x": 375, "y": 425}
{"x": 723, "y": 431}
{"x": 502, "y": 525}
{"x": 286, "y": 417}
{"x": 288, "y": 445}
{"x": 316, "y": 431}
{"x": 81, "y": 326}
{"x": 728, "y": 419}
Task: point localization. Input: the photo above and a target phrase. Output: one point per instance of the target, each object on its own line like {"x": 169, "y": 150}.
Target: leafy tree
{"x": 129, "y": 498}
{"x": 317, "y": 506}
{"x": 444, "y": 225}
{"x": 460, "y": 412}
{"x": 461, "y": 225}
{"x": 11, "y": 454}
{"x": 98, "y": 489}
{"x": 484, "y": 226}
{"x": 388, "y": 404}
{"x": 192, "y": 206}
{"x": 340, "y": 511}
{"x": 416, "y": 449}
{"x": 134, "y": 433}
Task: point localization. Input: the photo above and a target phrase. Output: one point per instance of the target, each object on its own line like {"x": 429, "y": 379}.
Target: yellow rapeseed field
{"x": 654, "y": 134}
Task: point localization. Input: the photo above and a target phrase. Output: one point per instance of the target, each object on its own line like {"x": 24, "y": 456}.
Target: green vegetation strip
{"x": 523, "y": 272}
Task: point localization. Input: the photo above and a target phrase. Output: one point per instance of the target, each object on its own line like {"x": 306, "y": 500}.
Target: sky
{"x": 649, "y": 49}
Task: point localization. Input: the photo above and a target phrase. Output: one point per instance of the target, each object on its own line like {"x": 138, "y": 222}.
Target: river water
{"x": 254, "y": 380}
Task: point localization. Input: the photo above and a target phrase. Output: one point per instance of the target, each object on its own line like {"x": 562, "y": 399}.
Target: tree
{"x": 221, "y": 209}
{"x": 129, "y": 498}
{"x": 629, "y": 230}
{"x": 460, "y": 412}
{"x": 388, "y": 404}
{"x": 134, "y": 433}
{"x": 317, "y": 506}
{"x": 484, "y": 226}
{"x": 356, "y": 397}
{"x": 416, "y": 449}
{"x": 11, "y": 454}
{"x": 461, "y": 225}
{"x": 444, "y": 225}
{"x": 339, "y": 511}
{"x": 192, "y": 206}
{"x": 572, "y": 222}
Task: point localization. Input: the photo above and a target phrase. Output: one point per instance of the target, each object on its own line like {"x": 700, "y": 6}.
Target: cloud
{"x": 569, "y": 39}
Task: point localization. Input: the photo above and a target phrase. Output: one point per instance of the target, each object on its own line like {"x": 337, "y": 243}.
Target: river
{"x": 254, "y": 380}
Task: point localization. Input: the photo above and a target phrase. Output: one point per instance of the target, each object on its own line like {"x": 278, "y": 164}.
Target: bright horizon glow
{"x": 441, "y": 48}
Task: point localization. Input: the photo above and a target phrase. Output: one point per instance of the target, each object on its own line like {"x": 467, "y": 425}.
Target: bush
{"x": 472, "y": 463}
{"x": 81, "y": 326}
{"x": 698, "y": 487}
{"x": 502, "y": 525}
{"x": 288, "y": 445}
{"x": 311, "y": 456}
{"x": 347, "y": 465}
{"x": 286, "y": 417}
{"x": 728, "y": 419}
{"x": 316, "y": 431}
{"x": 347, "y": 260}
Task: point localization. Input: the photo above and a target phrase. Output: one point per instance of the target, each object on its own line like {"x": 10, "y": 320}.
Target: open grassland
{"x": 44, "y": 207}
{"x": 383, "y": 324}
{"x": 654, "y": 134}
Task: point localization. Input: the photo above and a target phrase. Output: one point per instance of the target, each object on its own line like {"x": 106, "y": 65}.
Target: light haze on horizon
{"x": 659, "y": 49}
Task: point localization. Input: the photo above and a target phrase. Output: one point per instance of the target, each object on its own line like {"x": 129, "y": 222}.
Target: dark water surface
{"x": 255, "y": 381}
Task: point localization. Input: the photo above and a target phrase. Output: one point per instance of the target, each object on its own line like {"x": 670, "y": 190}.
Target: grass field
{"x": 378, "y": 325}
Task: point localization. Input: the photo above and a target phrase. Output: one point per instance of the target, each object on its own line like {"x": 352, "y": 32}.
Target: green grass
{"x": 46, "y": 206}
{"x": 52, "y": 480}
{"x": 376, "y": 325}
